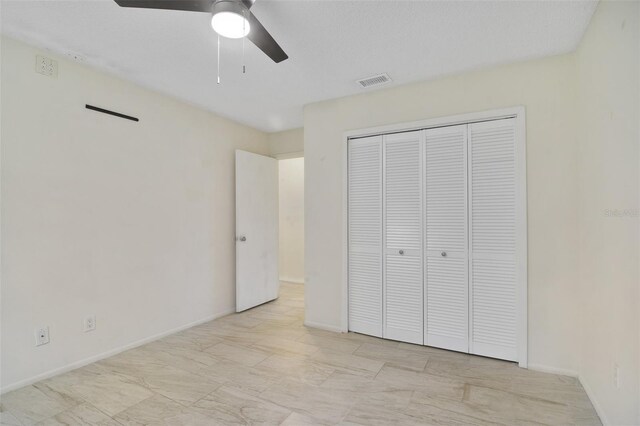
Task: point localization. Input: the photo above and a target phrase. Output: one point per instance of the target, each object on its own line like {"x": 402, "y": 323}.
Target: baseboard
{"x": 292, "y": 280}
{"x": 324, "y": 327}
{"x": 109, "y": 353}
{"x": 594, "y": 401}
{"x": 553, "y": 370}
{"x": 585, "y": 385}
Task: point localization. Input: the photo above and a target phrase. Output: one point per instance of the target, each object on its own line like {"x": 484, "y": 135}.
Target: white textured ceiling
{"x": 330, "y": 45}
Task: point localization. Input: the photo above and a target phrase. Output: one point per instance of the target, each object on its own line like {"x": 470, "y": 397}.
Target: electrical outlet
{"x": 616, "y": 375}
{"x": 42, "y": 336}
{"x": 89, "y": 323}
{"x": 46, "y": 66}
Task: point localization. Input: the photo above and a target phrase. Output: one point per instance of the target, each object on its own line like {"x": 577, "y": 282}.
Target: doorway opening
{"x": 291, "y": 220}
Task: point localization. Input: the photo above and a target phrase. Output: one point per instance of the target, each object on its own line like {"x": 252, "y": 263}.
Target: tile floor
{"x": 264, "y": 367}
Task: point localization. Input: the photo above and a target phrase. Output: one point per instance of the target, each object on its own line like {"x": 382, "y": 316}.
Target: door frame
{"x": 517, "y": 113}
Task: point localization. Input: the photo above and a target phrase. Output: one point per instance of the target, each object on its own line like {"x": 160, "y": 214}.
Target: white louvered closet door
{"x": 365, "y": 235}
{"x": 446, "y": 239}
{"x": 403, "y": 287}
{"x": 494, "y": 239}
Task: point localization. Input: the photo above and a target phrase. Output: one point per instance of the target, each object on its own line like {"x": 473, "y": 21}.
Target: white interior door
{"x": 365, "y": 235}
{"x": 257, "y": 279}
{"x": 495, "y": 240}
{"x": 446, "y": 255}
{"x": 403, "y": 288}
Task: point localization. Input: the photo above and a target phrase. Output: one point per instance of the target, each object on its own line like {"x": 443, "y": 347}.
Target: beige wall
{"x": 286, "y": 144}
{"x": 609, "y": 135}
{"x": 292, "y": 219}
{"x": 547, "y": 89}
{"x": 132, "y": 222}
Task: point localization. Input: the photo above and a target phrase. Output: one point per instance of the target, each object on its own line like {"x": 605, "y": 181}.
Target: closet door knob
{"x": 401, "y": 252}
{"x": 444, "y": 254}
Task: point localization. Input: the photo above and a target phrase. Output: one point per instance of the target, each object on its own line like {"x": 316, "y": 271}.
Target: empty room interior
{"x": 319, "y": 212}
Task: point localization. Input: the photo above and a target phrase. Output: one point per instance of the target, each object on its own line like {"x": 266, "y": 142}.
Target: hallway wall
{"x": 292, "y": 220}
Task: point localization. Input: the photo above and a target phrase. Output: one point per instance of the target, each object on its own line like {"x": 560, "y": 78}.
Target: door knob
{"x": 243, "y": 238}
{"x": 401, "y": 252}
{"x": 444, "y": 254}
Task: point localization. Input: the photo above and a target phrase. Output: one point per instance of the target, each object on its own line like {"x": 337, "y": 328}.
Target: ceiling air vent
{"x": 376, "y": 80}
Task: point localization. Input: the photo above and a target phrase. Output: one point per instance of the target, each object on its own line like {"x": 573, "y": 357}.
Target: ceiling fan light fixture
{"x": 229, "y": 20}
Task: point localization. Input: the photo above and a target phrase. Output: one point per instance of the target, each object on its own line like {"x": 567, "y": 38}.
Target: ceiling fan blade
{"x": 261, "y": 38}
{"x": 248, "y": 3}
{"x": 188, "y": 5}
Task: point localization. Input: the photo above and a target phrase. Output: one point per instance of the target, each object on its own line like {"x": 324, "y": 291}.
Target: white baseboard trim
{"x": 553, "y": 370}
{"x": 324, "y": 327}
{"x": 292, "y": 280}
{"x": 583, "y": 382}
{"x": 603, "y": 418}
{"x": 109, "y": 353}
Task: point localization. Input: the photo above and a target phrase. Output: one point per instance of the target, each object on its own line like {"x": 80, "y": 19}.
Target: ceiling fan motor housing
{"x": 232, "y": 6}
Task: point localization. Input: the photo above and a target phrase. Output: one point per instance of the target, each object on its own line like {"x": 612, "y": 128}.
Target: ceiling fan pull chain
{"x": 218, "y": 59}
{"x": 244, "y": 25}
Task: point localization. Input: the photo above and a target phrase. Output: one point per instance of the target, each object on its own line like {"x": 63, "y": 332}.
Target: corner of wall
{"x": 286, "y": 144}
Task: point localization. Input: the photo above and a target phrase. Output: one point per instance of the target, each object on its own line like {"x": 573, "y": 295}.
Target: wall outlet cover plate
{"x": 46, "y": 66}
{"x": 42, "y": 336}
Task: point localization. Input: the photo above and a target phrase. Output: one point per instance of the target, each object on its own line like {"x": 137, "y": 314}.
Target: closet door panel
{"x": 365, "y": 235}
{"x": 446, "y": 305}
{"x": 403, "y": 288}
{"x": 494, "y": 308}
{"x": 494, "y": 282}
{"x": 403, "y": 298}
{"x": 446, "y": 238}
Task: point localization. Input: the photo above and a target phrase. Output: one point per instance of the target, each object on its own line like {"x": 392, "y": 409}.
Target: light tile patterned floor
{"x": 263, "y": 366}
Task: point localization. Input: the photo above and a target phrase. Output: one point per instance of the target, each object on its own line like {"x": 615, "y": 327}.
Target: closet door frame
{"x": 518, "y": 113}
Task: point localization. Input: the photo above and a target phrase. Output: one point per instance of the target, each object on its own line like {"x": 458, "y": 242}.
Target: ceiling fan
{"x": 231, "y": 19}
